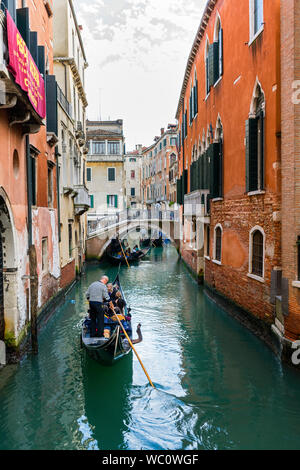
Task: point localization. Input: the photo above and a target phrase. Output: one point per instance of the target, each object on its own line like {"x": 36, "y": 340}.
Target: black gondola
{"x": 158, "y": 242}
{"x": 108, "y": 351}
{"x": 132, "y": 258}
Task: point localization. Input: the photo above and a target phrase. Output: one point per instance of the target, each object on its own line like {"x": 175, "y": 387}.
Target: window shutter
{"x": 92, "y": 201}
{"x": 207, "y": 75}
{"x": 211, "y": 65}
{"x": 116, "y": 202}
{"x": 251, "y": 156}
{"x": 221, "y": 52}
{"x": 262, "y": 163}
{"x": 216, "y": 167}
{"x": 216, "y": 73}
{"x": 107, "y": 200}
{"x": 196, "y": 98}
{"x": 41, "y": 60}
{"x": 51, "y": 104}
{"x": 191, "y": 111}
{"x": 34, "y": 46}
{"x": 185, "y": 124}
{"x": 23, "y": 24}
{"x": 11, "y": 7}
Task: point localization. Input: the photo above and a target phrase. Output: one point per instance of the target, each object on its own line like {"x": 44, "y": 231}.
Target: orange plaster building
{"x": 28, "y": 191}
{"x": 230, "y": 187}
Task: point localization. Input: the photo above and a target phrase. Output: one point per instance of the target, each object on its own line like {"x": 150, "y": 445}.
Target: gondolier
{"x": 97, "y": 294}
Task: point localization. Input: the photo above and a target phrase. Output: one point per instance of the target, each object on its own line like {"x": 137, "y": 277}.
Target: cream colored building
{"x": 105, "y": 167}
{"x": 69, "y": 67}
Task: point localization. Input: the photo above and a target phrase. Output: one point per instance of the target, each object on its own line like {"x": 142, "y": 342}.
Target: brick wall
{"x": 68, "y": 274}
{"x": 290, "y": 62}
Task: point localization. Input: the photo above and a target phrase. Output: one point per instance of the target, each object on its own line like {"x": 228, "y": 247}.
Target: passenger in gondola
{"x": 136, "y": 249}
{"x": 120, "y": 302}
{"x": 97, "y": 295}
{"x": 112, "y": 290}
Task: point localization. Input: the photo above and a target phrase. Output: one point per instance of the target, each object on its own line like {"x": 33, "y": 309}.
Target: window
{"x": 132, "y": 174}
{"x": 50, "y": 187}
{"x": 218, "y": 244}
{"x": 99, "y": 148}
{"x": 33, "y": 181}
{"x": 45, "y": 254}
{"x": 207, "y": 240}
{"x": 114, "y": 148}
{"x": 173, "y": 141}
{"x": 132, "y": 192}
{"x": 256, "y": 18}
{"x": 89, "y": 174}
{"x": 207, "y": 66}
{"x": 91, "y": 201}
{"x": 165, "y": 142}
{"x": 111, "y": 174}
{"x": 112, "y": 201}
{"x": 133, "y": 160}
{"x": 257, "y": 252}
{"x": 70, "y": 239}
{"x": 255, "y": 172}
{"x": 11, "y": 6}
{"x": 218, "y": 51}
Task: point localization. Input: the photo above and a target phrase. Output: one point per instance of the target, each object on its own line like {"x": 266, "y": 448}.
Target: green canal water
{"x": 218, "y": 386}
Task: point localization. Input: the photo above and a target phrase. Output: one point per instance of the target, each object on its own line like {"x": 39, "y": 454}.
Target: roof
{"x": 210, "y": 5}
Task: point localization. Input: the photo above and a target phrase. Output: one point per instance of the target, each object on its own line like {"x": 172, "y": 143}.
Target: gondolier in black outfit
{"x": 97, "y": 294}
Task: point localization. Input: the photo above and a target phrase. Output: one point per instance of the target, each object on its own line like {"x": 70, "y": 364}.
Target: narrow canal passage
{"x": 218, "y": 386}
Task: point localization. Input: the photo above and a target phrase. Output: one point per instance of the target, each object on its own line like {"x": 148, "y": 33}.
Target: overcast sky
{"x": 137, "y": 52}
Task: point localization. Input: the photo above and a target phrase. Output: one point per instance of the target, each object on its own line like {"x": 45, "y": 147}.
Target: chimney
{"x": 162, "y": 131}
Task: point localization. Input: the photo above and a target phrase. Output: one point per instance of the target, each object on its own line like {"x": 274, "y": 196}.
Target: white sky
{"x": 137, "y": 52}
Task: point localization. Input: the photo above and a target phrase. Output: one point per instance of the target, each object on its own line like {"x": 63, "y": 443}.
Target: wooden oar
{"x": 124, "y": 254}
{"x": 130, "y": 342}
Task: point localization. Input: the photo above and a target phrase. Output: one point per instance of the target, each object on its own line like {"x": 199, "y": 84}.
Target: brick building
{"x": 289, "y": 308}
{"x": 230, "y": 185}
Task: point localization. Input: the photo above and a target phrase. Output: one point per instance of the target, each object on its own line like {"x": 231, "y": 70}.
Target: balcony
{"x": 82, "y": 200}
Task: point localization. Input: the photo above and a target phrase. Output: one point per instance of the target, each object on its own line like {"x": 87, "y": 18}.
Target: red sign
{"x": 24, "y": 69}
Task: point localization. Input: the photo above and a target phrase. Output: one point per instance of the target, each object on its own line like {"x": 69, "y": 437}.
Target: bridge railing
{"x": 102, "y": 222}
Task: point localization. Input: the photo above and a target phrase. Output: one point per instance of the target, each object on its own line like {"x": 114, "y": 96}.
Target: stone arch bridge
{"x": 102, "y": 229}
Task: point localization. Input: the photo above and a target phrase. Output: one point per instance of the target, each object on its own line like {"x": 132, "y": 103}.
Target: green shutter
{"x": 211, "y": 65}
{"x": 251, "y": 156}
{"x": 92, "y": 201}
{"x": 107, "y": 200}
{"x": 216, "y": 74}
{"x": 262, "y": 168}
{"x": 116, "y": 202}
{"x": 23, "y": 24}
{"x": 221, "y": 67}
{"x": 216, "y": 167}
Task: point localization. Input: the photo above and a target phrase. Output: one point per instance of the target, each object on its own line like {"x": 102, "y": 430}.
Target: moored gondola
{"x": 109, "y": 350}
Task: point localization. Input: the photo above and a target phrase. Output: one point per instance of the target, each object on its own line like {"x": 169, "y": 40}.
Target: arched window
{"x": 218, "y": 50}
{"x": 218, "y": 244}
{"x": 257, "y": 252}
{"x": 255, "y": 143}
{"x": 216, "y": 163}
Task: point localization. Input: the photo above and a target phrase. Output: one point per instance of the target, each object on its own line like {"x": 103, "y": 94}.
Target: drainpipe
{"x": 29, "y": 186}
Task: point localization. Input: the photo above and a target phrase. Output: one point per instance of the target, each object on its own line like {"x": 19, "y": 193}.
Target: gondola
{"x": 108, "y": 351}
{"x": 132, "y": 258}
{"x": 158, "y": 242}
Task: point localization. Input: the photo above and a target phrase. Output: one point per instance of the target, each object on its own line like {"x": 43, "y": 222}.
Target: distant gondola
{"x": 158, "y": 242}
{"x": 132, "y": 258}
{"x": 108, "y": 351}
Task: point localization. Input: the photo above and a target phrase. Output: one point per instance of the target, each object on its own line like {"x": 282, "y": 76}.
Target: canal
{"x": 218, "y": 386}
